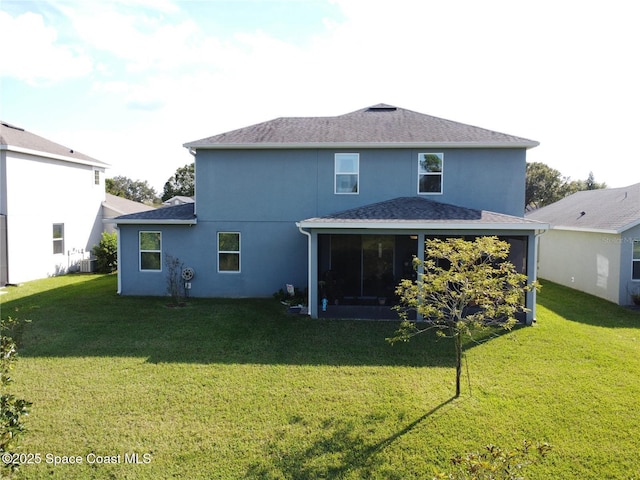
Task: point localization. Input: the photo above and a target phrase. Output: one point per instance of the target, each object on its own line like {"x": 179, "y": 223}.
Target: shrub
{"x": 12, "y": 409}
{"x": 106, "y": 253}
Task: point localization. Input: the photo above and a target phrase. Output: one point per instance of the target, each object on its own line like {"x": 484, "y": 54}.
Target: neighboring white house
{"x": 50, "y": 206}
{"x": 594, "y": 242}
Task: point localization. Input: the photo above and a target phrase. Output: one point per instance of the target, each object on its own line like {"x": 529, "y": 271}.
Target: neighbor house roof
{"x": 123, "y": 206}
{"x": 610, "y": 210}
{"x": 417, "y": 213}
{"x": 175, "y": 215}
{"x": 17, "y": 139}
{"x": 378, "y": 126}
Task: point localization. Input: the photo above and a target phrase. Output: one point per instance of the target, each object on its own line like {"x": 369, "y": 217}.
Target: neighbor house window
{"x": 635, "y": 270}
{"x": 150, "y": 251}
{"x": 430, "y": 172}
{"x": 58, "y": 238}
{"x": 96, "y": 177}
{"x": 228, "y": 252}
{"x": 347, "y": 166}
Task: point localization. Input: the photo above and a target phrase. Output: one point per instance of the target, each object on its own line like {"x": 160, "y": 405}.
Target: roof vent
{"x": 382, "y": 108}
{"x": 8, "y": 125}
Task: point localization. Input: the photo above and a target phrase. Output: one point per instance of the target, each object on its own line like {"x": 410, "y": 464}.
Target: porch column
{"x": 420, "y": 250}
{"x": 313, "y": 274}
{"x": 532, "y": 267}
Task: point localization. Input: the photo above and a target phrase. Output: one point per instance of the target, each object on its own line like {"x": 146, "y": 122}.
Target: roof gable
{"x": 376, "y": 126}
{"x": 612, "y": 210}
{"x": 18, "y": 139}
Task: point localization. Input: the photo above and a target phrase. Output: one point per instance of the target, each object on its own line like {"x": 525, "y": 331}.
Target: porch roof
{"x": 418, "y": 213}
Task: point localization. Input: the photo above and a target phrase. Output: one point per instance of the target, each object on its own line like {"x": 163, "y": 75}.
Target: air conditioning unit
{"x": 87, "y": 265}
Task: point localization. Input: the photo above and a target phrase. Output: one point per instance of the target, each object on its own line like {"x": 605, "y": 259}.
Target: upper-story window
{"x": 96, "y": 177}
{"x": 347, "y": 171}
{"x": 635, "y": 270}
{"x": 58, "y": 238}
{"x": 150, "y": 251}
{"x": 430, "y": 168}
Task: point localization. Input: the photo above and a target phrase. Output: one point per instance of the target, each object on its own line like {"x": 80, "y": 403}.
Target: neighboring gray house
{"x": 594, "y": 242}
{"x": 177, "y": 200}
{"x": 114, "y": 206}
{"x": 336, "y": 204}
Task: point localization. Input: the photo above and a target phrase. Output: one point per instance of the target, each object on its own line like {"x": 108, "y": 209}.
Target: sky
{"x": 128, "y": 82}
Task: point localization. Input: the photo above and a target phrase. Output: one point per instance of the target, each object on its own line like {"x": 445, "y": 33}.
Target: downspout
{"x": 308, "y": 235}
{"x": 118, "y": 250}
{"x": 534, "y": 294}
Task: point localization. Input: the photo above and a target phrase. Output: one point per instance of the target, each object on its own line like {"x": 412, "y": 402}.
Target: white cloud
{"x": 33, "y": 54}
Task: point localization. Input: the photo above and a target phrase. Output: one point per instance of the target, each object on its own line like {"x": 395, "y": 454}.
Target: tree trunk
{"x": 458, "y": 342}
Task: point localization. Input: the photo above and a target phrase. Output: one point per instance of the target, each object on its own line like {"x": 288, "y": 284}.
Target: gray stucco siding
{"x": 627, "y": 283}
{"x": 271, "y": 254}
{"x": 290, "y": 185}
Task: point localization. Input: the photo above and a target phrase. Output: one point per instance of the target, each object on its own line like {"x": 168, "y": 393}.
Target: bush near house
{"x": 106, "y": 253}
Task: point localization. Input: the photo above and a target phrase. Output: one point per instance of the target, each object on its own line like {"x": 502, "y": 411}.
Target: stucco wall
{"x": 627, "y": 284}
{"x": 272, "y": 255}
{"x": 586, "y": 261}
{"x": 39, "y": 193}
{"x": 262, "y": 194}
{"x": 293, "y": 185}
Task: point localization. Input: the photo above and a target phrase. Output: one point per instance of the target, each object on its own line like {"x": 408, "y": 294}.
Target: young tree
{"x": 181, "y": 183}
{"x": 463, "y": 287}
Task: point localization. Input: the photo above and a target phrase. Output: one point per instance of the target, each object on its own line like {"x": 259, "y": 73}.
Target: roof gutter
{"x": 55, "y": 156}
{"x": 151, "y": 221}
{"x": 417, "y": 225}
{"x": 341, "y": 145}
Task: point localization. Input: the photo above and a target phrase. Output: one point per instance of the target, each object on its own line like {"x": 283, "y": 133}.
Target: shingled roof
{"x": 18, "y": 139}
{"x": 420, "y": 213}
{"x": 376, "y": 126}
{"x": 178, "y": 214}
{"x": 611, "y": 210}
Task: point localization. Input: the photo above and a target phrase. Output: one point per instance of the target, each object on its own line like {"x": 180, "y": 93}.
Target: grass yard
{"x": 234, "y": 389}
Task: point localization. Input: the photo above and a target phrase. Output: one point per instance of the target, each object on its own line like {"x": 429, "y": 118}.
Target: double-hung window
{"x": 150, "y": 251}
{"x": 430, "y": 168}
{"x": 635, "y": 267}
{"x": 58, "y": 238}
{"x": 347, "y": 171}
{"x": 228, "y": 252}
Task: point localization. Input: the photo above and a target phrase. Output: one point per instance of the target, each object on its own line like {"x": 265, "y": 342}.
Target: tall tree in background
{"x": 546, "y": 185}
{"x": 136, "y": 190}
{"x": 181, "y": 183}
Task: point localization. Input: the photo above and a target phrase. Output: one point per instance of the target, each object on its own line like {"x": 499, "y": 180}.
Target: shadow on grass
{"x": 581, "y": 307}
{"x": 87, "y": 318}
{"x": 338, "y": 450}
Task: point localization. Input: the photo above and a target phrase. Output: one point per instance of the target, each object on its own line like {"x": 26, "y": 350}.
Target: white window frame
{"x": 337, "y": 158}
{"x": 141, "y": 251}
{"x": 633, "y": 259}
{"x": 423, "y": 173}
{"x": 96, "y": 177}
{"x": 228, "y": 252}
{"x": 58, "y": 240}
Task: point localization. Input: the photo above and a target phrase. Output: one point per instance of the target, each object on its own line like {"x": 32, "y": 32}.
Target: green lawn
{"x": 235, "y": 389}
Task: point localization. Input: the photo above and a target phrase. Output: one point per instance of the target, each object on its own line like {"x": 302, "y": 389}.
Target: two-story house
{"x": 50, "y": 206}
{"x": 336, "y": 204}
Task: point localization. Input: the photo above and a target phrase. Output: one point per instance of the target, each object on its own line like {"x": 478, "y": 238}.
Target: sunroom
{"x": 358, "y": 256}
